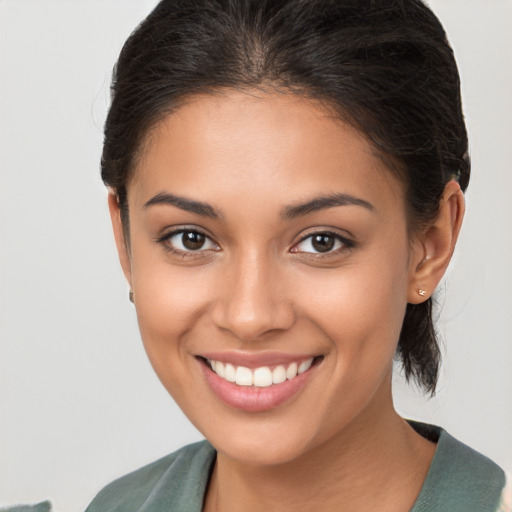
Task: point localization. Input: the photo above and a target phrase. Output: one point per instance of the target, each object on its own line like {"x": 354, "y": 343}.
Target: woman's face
{"x": 267, "y": 236}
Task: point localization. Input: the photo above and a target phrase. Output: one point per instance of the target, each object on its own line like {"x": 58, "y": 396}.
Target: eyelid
{"x": 346, "y": 242}
{"x": 172, "y": 232}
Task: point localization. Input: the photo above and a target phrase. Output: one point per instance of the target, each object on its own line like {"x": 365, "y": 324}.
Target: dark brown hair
{"x": 385, "y": 66}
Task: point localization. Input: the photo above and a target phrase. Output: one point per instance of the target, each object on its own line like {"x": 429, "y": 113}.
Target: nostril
{"x": 251, "y": 323}
{"x": 250, "y": 313}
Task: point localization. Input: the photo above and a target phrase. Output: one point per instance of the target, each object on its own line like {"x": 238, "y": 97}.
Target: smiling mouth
{"x": 257, "y": 388}
{"x": 261, "y": 377}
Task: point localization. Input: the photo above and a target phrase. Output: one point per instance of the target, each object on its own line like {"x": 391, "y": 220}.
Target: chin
{"x": 269, "y": 450}
{"x": 261, "y": 439}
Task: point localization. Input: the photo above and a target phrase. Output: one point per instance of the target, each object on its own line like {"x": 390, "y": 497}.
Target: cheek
{"x": 170, "y": 302}
{"x": 360, "y": 312}
{"x": 360, "y": 309}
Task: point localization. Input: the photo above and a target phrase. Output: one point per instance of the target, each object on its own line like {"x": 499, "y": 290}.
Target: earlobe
{"x": 434, "y": 247}
{"x": 117, "y": 225}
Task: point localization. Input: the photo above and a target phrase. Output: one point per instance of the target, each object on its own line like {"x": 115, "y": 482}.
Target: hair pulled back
{"x": 385, "y": 66}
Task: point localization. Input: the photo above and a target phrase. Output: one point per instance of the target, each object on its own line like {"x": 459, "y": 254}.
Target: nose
{"x": 254, "y": 301}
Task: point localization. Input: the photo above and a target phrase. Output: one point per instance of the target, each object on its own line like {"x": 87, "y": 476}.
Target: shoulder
{"x": 459, "y": 478}
{"x": 44, "y": 506}
{"x": 178, "y": 480}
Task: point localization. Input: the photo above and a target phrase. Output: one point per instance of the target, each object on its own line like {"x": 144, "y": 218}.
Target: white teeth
{"x": 291, "y": 371}
{"x": 260, "y": 377}
{"x": 219, "y": 369}
{"x": 278, "y": 375}
{"x": 306, "y": 365}
{"x": 229, "y": 373}
{"x": 243, "y": 376}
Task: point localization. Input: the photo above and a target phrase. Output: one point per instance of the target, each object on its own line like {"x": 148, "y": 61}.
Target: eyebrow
{"x": 183, "y": 203}
{"x": 289, "y": 212}
{"x": 320, "y": 203}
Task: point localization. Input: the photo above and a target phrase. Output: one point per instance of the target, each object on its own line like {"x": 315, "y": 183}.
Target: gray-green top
{"x": 459, "y": 480}
{"x": 44, "y": 506}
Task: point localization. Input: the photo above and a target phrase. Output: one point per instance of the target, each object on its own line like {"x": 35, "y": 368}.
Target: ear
{"x": 121, "y": 243}
{"x": 433, "y": 248}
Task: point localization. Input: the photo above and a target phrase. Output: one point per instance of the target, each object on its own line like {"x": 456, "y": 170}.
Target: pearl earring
{"x": 422, "y": 292}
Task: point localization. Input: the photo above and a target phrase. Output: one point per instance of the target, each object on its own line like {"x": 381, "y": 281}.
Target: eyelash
{"x": 344, "y": 243}
{"x": 165, "y": 241}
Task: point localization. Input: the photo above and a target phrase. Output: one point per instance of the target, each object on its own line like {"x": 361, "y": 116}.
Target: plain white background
{"x": 79, "y": 404}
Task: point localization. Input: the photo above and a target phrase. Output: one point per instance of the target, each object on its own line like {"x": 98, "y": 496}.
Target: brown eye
{"x": 188, "y": 240}
{"x": 192, "y": 240}
{"x": 323, "y": 242}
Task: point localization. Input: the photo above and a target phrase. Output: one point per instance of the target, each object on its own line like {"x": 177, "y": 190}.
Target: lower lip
{"x": 253, "y": 398}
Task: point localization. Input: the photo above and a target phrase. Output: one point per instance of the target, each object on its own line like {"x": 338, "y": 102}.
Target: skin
{"x": 258, "y": 285}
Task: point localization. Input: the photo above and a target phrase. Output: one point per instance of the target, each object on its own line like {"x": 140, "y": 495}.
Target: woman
{"x": 286, "y": 190}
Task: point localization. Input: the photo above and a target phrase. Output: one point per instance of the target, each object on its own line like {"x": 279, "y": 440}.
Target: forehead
{"x": 238, "y": 143}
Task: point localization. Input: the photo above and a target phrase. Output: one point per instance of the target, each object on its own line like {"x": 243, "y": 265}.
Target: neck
{"x": 371, "y": 465}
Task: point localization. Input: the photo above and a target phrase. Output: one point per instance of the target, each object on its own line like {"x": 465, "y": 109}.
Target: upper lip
{"x": 256, "y": 359}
